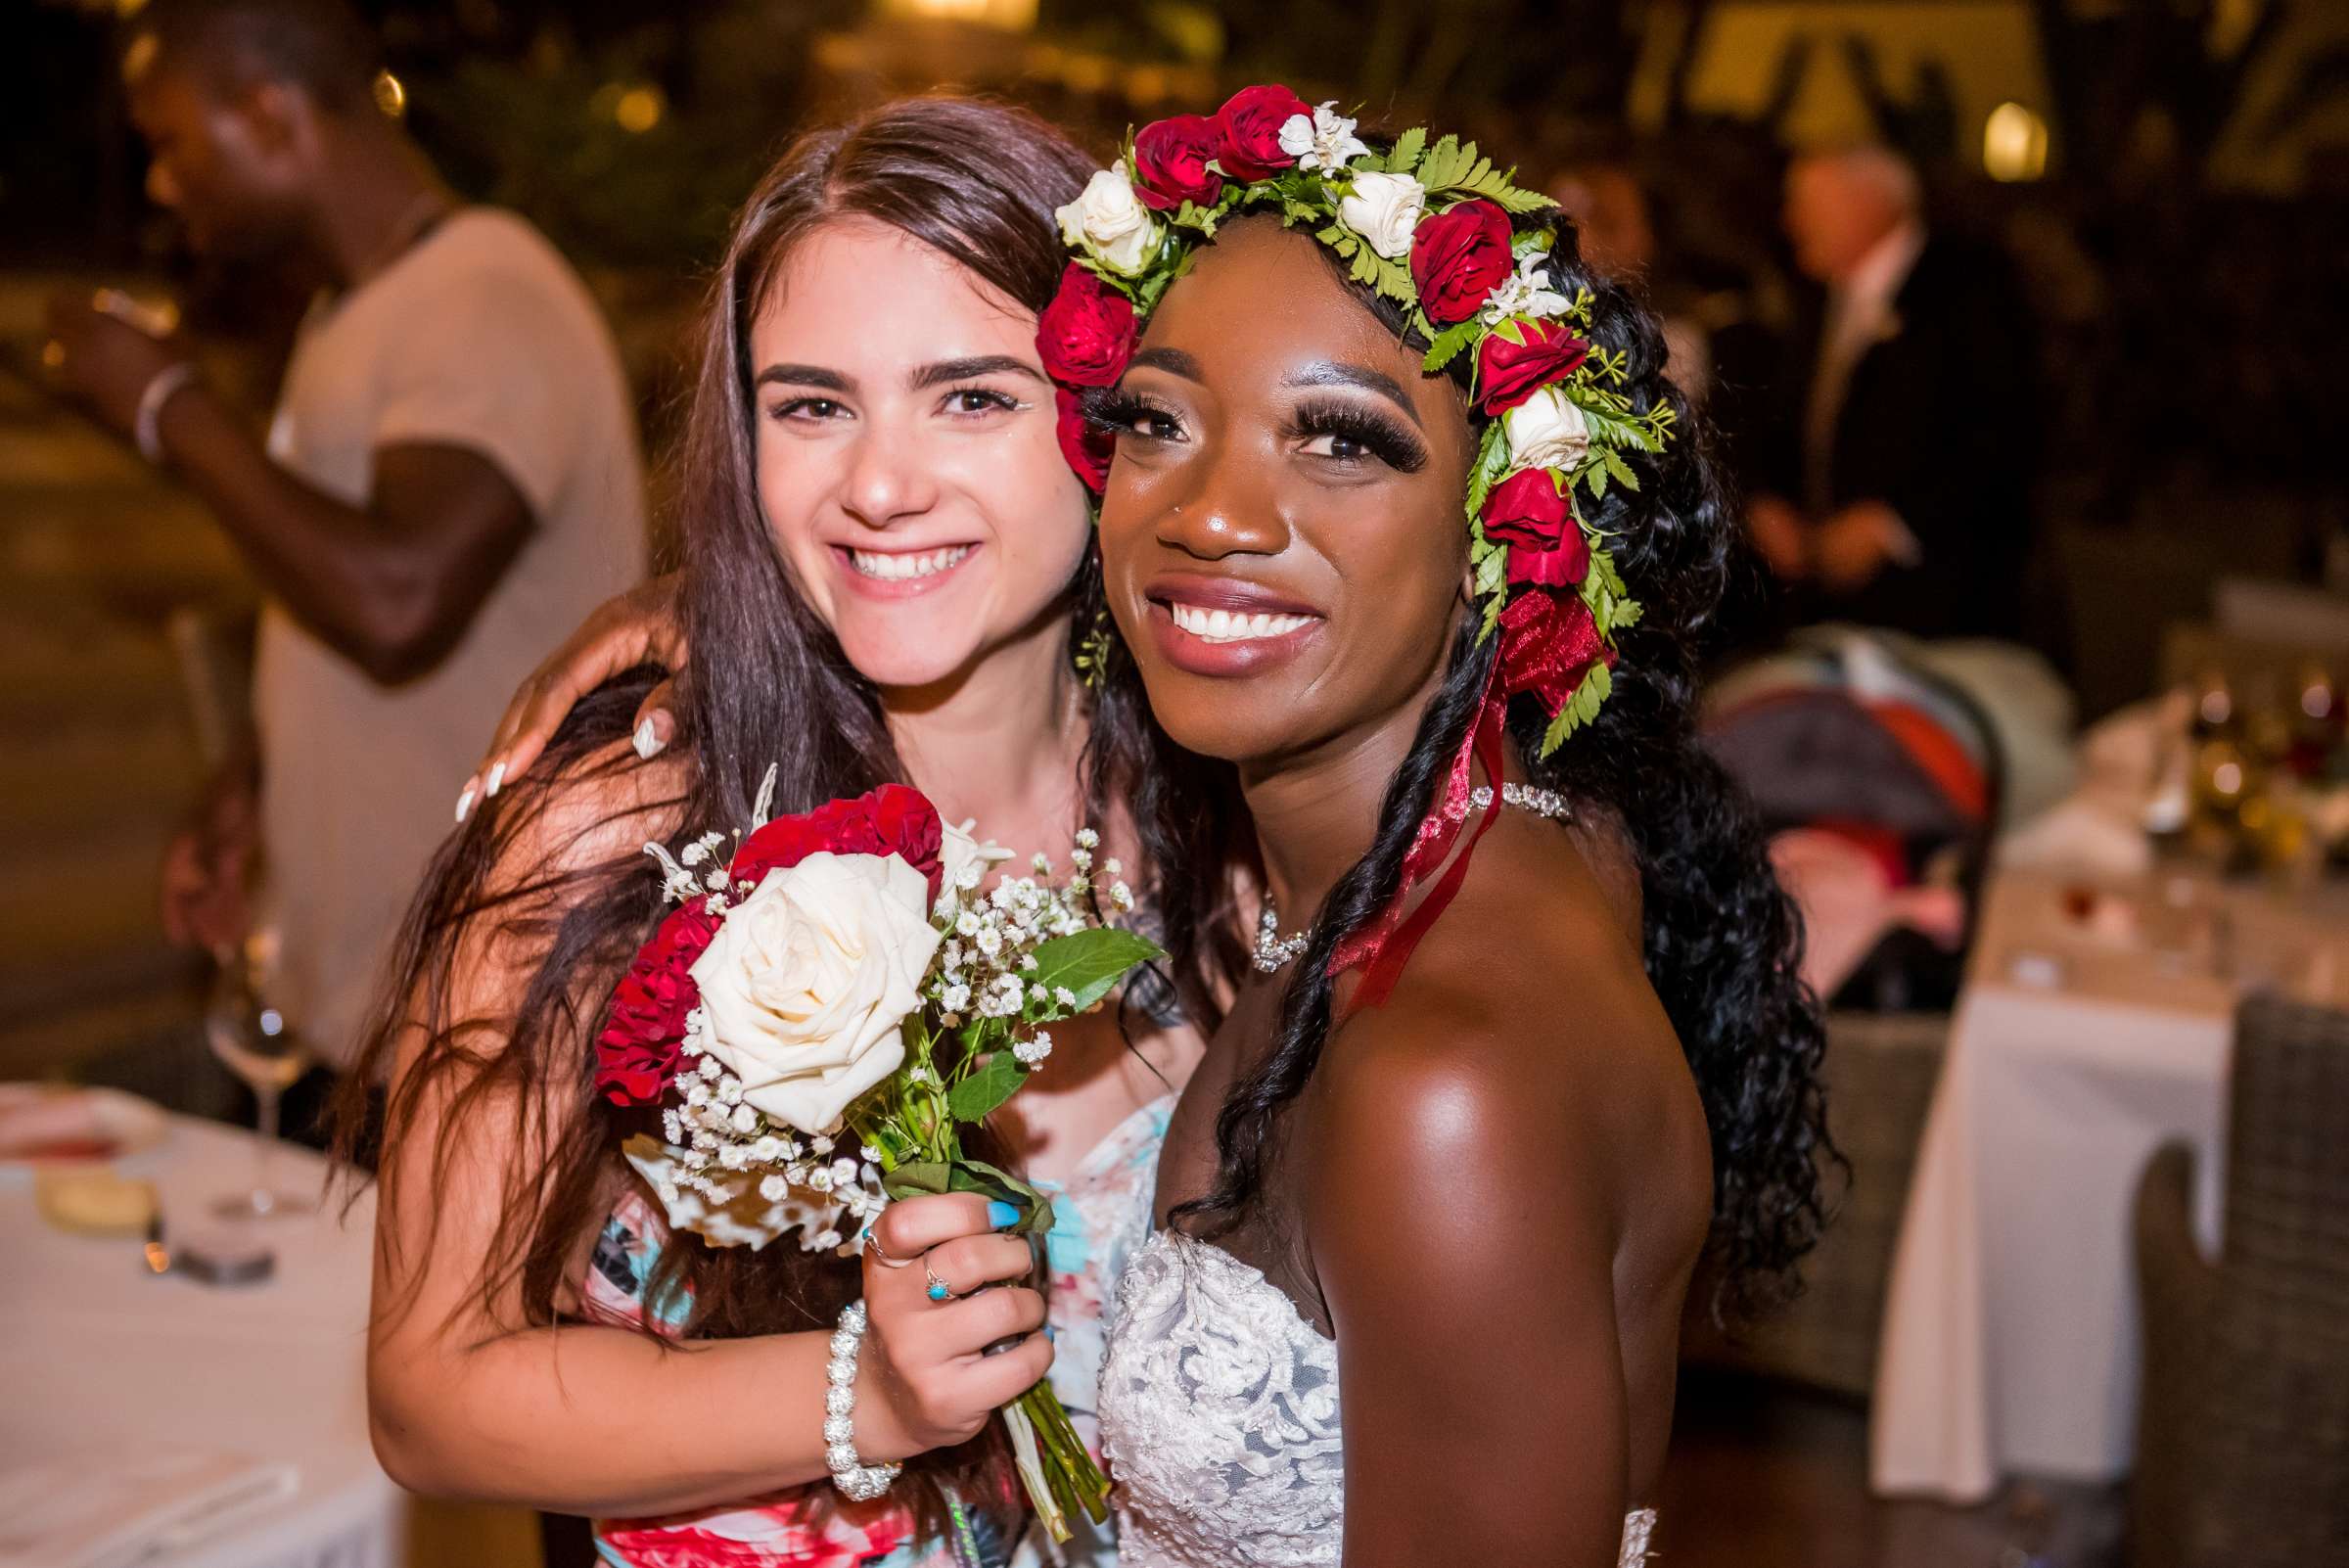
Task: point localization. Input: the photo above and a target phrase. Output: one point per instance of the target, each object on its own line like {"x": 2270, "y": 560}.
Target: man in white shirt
{"x": 1897, "y": 490}
{"x": 451, "y": 480}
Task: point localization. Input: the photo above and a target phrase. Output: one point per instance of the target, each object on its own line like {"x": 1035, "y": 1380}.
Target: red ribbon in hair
{"x": 1548, "y": 645}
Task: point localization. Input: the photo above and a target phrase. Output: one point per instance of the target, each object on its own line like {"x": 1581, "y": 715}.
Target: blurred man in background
{"x": 450, "y": 482}
{"x": 1896, "y": 490}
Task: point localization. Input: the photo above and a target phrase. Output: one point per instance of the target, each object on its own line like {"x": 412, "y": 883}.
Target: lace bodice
{"x": 1219, "y": 1417}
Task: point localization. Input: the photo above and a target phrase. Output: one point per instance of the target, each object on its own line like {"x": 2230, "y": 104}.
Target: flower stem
{"x": 1064, "y": 1471}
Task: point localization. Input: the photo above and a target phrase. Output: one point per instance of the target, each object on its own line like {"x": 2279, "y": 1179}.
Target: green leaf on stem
{"x": 1088, "y": 964}
{"x": 995, "y": 1080}
{"x": 923, "y": 1177}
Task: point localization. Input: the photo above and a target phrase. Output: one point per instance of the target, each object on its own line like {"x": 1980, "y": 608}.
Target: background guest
{"x": 1616, "y": 224}
{"x": 450, "y": 482}
{"x": 1896, "y": 492}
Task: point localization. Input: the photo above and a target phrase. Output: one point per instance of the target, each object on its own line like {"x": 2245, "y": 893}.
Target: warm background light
{"x": 2014, "y": 144}
{"x": 1012, "y": 16}
{"x": 635, "y": 106}
{"x": 639, "y": 109}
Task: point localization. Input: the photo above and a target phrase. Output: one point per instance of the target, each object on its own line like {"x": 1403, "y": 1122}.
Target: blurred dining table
{"x": 114, "y": 1374}
{"x": 2094, "y": 1025}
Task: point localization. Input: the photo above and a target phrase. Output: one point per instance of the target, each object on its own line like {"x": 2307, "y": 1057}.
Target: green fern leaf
{"x": 1447, "y": 344}
{"x": 1444, "y": 164}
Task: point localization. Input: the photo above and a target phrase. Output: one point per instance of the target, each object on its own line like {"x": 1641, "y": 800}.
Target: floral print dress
{"x": 1100, "y": 1218}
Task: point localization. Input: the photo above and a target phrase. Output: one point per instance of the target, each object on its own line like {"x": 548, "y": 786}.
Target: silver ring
{"x": 938, "y": 1289}
{"x": 872, "y": 1244}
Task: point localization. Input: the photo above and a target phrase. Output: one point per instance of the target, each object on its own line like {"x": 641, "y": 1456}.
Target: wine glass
{"x": 254, "y": 1041}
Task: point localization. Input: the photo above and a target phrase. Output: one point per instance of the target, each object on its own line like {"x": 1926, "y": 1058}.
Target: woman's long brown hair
{"x": 769, "y": 684}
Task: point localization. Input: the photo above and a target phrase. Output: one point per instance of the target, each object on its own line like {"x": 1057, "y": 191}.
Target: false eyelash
{"x": 1387, "y": 440}
{"x": 1116, "y": 412}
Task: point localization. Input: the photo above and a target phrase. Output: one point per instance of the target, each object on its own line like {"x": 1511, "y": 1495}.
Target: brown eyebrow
{"x": 807, "y": 376}
{"x": 1327, "y": 374}
{"x": 970, "y": 369}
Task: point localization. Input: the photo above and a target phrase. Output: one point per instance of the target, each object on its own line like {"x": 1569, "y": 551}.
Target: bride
{"x": 1426, "y": 1226}
{"x": 1432, "y": 1200}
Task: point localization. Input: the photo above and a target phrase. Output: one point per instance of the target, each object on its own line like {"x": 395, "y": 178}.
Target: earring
{"x": 1094, "y": 647}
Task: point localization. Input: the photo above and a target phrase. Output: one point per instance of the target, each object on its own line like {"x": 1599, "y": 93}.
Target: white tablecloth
{"x": 96, "y": 1351}
{"x": 2011, "y": 1340}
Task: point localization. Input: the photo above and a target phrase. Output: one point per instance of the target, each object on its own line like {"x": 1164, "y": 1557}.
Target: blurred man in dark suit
{"x": 1897, "y": 490}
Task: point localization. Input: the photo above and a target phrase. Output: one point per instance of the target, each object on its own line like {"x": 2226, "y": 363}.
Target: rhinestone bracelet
{"x": 858, "y": 1481}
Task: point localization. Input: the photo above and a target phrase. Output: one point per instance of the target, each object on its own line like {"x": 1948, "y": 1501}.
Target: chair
{"x": 2243, "y": 1415}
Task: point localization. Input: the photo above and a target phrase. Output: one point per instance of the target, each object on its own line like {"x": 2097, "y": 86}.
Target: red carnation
{"x": 1087, "y": 447}
{"x": 1509, "y": 373}
{"x": 891, "y": 820}
{"x": 1458, "y": 256}
{"x": 1526, "y": 512}
{"x": 1085, "y": 334}
{"x": 1248, "y": 131}
{"x": 1548, "y": 643}
{"x": 636, "y": 1053}
{"x": 1170, "y": 161}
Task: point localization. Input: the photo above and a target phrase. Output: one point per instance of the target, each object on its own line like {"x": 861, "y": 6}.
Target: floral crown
{"x": 1428, "y": 227}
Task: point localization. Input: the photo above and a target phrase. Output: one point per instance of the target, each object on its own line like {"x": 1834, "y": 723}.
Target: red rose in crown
{"x": 1248, "y": 131}
{"x": 1171, "y": 158}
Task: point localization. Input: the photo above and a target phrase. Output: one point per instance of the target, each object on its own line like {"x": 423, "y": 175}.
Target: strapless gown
{"x": 1219, "y": 1417}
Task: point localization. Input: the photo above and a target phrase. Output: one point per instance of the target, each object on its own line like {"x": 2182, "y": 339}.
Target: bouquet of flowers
{"x": 824, "y": 1011}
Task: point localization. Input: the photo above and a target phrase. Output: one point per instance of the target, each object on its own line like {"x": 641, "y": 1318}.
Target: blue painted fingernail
{"x": 1048, "y": 1334}
{"x": 1001, "y": 1215}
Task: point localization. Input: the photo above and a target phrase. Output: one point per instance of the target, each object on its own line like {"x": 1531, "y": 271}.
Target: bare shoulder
{"x": 1525, "y": 1023}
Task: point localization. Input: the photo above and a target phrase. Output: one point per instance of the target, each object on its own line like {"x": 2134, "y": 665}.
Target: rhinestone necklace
{"x": 1275, "y": 952}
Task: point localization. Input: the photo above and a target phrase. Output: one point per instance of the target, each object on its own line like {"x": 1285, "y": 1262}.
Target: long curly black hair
{"x": 1723, "y": 941}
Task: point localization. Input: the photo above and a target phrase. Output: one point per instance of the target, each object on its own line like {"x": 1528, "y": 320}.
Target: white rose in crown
{"x": 808, "y": 980}
{"x": 1384, "y": 210}
{"x": 1546, "y": 431}
{"x": 1109, "y": 220}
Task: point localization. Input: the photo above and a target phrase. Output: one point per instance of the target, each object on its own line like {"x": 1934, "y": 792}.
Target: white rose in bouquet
{"x": 808, "y": 980}
{"x": 1109, "y": 220}
{"x": 1546, "y": 431}
{"x": 1384, "y": 210}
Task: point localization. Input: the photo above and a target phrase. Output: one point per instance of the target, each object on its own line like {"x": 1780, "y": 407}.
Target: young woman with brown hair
{"x": 887, "y": 573}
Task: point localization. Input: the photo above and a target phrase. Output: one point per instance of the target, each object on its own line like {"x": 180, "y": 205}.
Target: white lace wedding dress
{"x": 1219, "y": 1416}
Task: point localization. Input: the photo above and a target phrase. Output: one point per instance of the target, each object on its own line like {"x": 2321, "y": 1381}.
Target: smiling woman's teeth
{"x": 897, "y": 567}
{"x": 1222, "y": 625}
